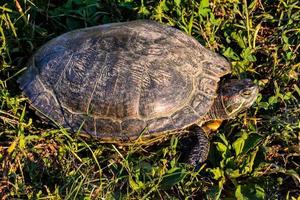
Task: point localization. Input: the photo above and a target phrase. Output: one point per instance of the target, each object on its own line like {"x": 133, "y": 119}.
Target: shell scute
{"x": 133, "y": 126}
{"x": 107, "y": 127}
{"x": 160, "y": 124}
{"x": 184, "y": 116}
{"x": 207, "y": 85}
{"x": 200, "y": 102}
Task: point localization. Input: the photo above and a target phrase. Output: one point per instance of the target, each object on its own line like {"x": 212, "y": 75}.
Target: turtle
{"x": 137, "y": 80}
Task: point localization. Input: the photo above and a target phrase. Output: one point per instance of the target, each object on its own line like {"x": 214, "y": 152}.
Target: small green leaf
{"x": 223, "y": 138}
{"x": 250, "y": 162}
{"x": 204, "y": 8}
{"x": 248, "y": 192}
{"x": 135, "y": 185}
{"x": 221, "y": 147}
{"x": 285, "y": 38}
{"x": 12, "y": 147}
{"x": 247, "y": 54}
{"x": 30, "y": 138}
{"x": 289, "y": 55}
{"x": 229, "y": 53}
{"x": 233, "y": 173}
{"x": 22, "y": 141}
{"x": 144, "y": 11}
{"x": 217, "y": 172}
{"x": 213, "y": 19}
{"x": 172, "y": 178}
{"x": 239, "y": 39}
{"x": 264, "y": 105}
{"x": 297, "y": 89}
{"x": 251, "y": 142}
{"x": 238, "y": 145}
{"x": 287, "y": 96}
{"x": 177, "y": 2}
{"x": 272, "y": 100}
{"x": 238, "y": 192}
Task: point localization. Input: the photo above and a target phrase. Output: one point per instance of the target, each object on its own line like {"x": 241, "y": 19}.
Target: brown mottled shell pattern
{"x": 118, "y": 80}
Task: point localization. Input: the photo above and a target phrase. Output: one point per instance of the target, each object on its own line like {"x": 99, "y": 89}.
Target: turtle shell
{"x": 118, "y": 80}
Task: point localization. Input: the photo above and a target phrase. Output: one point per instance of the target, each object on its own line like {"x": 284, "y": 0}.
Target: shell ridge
{"x": 62, "y": 72}
{"x": 100, "y": 76}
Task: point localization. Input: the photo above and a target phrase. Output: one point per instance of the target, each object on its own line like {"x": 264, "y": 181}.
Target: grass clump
{"x": 255, "y": 156}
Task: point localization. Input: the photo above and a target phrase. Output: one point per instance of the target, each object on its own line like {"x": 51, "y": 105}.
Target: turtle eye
{"x": 246, "y": 93}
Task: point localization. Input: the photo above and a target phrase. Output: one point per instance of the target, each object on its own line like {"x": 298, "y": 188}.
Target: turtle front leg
{"x": 198, "y": 151}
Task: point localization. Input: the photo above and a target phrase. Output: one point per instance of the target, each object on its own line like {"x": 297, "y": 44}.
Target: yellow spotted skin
{"x": 212, "y": 125}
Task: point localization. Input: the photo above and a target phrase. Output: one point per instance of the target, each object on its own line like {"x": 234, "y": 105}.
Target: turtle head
{"x": 237, "y": 95}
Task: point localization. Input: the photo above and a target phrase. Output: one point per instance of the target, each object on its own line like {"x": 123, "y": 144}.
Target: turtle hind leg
{"x": 196, "y": 146}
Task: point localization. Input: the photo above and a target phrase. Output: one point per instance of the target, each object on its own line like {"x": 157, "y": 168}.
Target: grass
{"x": 255, "y": 156}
